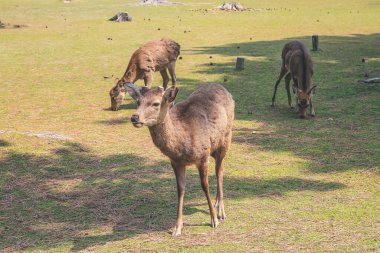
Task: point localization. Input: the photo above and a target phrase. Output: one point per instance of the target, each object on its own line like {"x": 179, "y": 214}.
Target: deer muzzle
{"x": 135, "y": 119}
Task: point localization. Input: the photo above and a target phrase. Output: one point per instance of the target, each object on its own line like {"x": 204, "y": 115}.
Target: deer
{"x": 158, "y": 55}
{"x": 188, "y": 133}
{"x": 298, "y": 66}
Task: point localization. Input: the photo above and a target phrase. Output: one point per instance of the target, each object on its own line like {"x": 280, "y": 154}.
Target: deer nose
{"x": 135, "y": 118}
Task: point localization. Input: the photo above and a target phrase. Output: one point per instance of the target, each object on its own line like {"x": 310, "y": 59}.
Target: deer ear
{"x": 133, "y": 90}
{"x": 170, "y": 94}
{"x": 312, "y": 90}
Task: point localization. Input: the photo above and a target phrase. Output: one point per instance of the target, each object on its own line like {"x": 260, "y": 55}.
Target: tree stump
{"x": 315, "y": 42}
{"x": 239, "y": 63}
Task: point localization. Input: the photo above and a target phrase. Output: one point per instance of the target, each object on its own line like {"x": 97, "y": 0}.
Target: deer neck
{"x": 130, "y": 75}
{"x": 165, "y": 136}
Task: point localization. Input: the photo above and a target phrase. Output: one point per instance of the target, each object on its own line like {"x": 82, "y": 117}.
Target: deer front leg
{"x": 148, "y": 78}
{"x": 180, "y": 174}
{"x": 282, "y": 73}
{"x": 165, "y": 78}
{"x": 287, "y": 86}
{"x": 312, "y": 111}
{"x": 203, "y": 174}
{"x": 171, "y": 68}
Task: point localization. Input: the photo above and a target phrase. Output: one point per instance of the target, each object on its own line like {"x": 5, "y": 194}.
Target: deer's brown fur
{"x": 189, "y": 133}
{"x": 297, "y": 65}
{"x": 159, "y": 55}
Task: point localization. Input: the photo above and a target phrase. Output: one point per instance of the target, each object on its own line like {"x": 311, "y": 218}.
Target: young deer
{"x": 157, "y": 55}
{"x": 297, "y": 65}
{"x": 189, "y": 133}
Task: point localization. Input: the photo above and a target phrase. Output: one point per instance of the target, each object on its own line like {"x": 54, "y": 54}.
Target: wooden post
{"x": 240, "y": 63}
{"x": 315, "y": 41}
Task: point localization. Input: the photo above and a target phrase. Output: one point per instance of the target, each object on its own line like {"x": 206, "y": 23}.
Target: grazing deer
{"x": 157, "y": 55}
{"x": 297, "y": 65}
{"x": 189, "y": 133}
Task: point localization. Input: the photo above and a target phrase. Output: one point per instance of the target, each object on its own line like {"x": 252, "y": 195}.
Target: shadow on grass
{"x": 115, "y": 121}
{"x": 340, "y": 138}
{"x": 127, "y": 104}
{"x": 72, "y": 195}
{"x": 4, "y": 143}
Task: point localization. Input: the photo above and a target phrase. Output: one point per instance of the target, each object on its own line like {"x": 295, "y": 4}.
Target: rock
{"x": 373, "y": 80}
{"x": 231, "y": 6}
{"x": 235, "y": 6}
{"x": 121, "y": 17}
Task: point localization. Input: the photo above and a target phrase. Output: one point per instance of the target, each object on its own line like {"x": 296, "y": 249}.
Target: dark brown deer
{"x": 189, "y": 133}
{"x": 157, "y": 55}
{"x": 297, "y": 65}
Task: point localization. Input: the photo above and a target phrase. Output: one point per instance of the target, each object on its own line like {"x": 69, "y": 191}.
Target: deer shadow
{"x": 74, "y": 195}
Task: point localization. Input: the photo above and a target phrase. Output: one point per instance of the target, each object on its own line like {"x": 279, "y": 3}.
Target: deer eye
{"x": 156, "y": 104}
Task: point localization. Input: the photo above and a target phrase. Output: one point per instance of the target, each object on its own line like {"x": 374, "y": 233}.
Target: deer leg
{"x": 282, "y": 73}
{"x": 165, "y": 78}
{"x": 297, "y": 106}
{"x": 180, "y": 174}
{"x": 287, "y": 86}
{"x": 171, "y": 68}
{"x": 219, "y": 165}
{"x": 148, "y": 78}
{"x": 312, "y": 111}
{"x": 203, "y": 173}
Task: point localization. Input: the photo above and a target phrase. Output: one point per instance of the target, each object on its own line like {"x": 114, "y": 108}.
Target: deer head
{"x": 117, "y": 94}
{"x": 152, "y": 104}
{"x": 303, "y": 100}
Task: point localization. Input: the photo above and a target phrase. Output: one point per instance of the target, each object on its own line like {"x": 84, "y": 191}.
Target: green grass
{"x": 290, "y": 185}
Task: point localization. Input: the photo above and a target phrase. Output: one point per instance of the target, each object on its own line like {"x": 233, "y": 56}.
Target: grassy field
{"x": 291, "y": 185}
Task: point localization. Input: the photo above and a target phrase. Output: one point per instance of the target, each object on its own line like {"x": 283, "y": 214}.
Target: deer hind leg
{"x": 165, "y": 78}
{"x": 219, "y": 166}
{"x": 180, "y": 174}
{"x": 282, "y": 74}
{"x": 171, "y": 68}
{"x": 203, "y": 174}
{"x": 287, "y": 86}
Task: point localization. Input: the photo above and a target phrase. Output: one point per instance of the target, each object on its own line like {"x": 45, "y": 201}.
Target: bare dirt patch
{"x": 156, "y": 2}
{"x": 45, "y": 135}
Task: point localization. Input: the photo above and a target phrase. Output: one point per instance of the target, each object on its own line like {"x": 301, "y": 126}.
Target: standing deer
{"x": 297, "y": 65}
{"x": 157, "y": 55}
{"x": 189, "y": 133}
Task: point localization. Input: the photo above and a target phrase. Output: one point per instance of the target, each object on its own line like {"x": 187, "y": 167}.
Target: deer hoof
{"x": 220, "y": 208}
{"x": 177, "y": 231}
{"x": 214, "y": 222}
{"x": 221, "y": 216}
